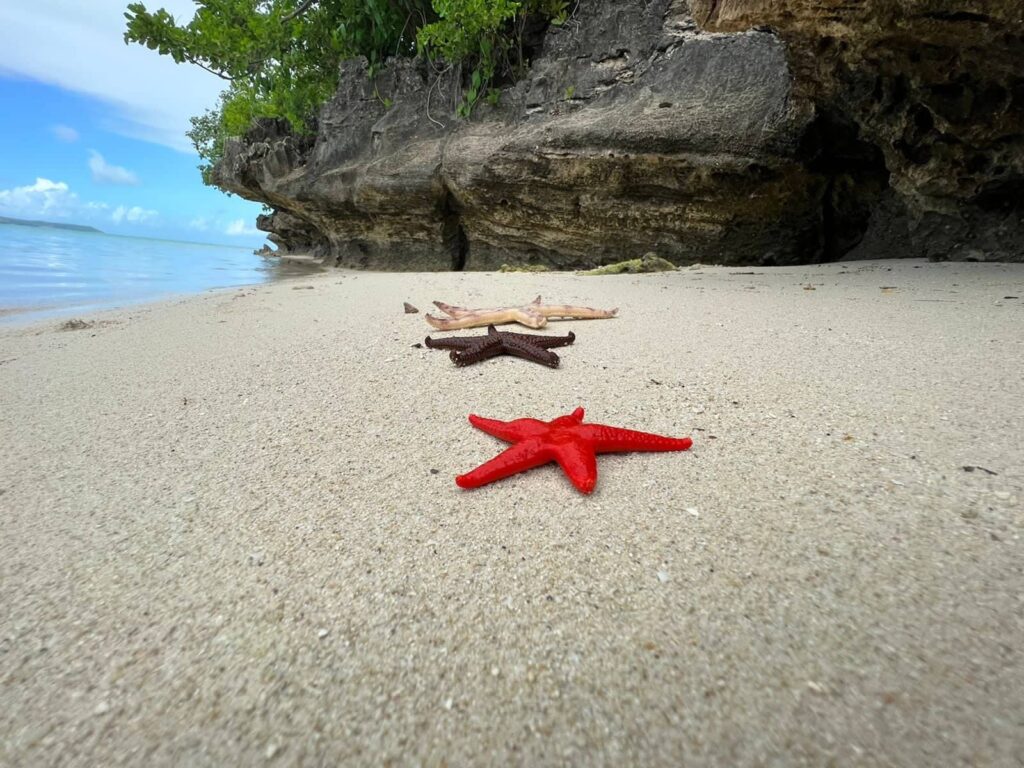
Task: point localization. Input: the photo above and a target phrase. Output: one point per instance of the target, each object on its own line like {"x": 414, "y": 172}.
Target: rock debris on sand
{"x": 285, "y": 569}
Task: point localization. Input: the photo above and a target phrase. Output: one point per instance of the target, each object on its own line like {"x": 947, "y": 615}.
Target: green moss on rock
{"x": 524, "y": 268}
{"x": 649, "y": 262}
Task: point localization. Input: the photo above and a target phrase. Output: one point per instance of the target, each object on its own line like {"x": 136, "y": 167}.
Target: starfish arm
{"x": 485, "y": 347}
{"x": 580, "y": 313}
{"x": 545, "y": 342}
{"x": 474, "y": 319}
{"x": 451, "y": 311}
{"x": 533, "y": 315}
{"x": 606, "y": 439}
{"x": 529, "y": 316}
{"x": 440, "y": 323}
{"x": 451, "y": 342}
{"x": 569, "y": 420}
{"x": 530, "y": 352}
{"x": 509, "y": 431}
{"x": 515, "y": 459}
{"x": 579, "y": 462}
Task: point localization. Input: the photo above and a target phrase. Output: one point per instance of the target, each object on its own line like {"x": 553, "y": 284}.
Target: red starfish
{"x": 567, "y": 440}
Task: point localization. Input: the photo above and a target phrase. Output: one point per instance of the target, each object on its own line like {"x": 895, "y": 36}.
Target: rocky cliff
{"x": 726, "y": 131}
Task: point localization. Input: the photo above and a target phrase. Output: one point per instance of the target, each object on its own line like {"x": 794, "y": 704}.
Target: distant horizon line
{"x": 88, "y": 229}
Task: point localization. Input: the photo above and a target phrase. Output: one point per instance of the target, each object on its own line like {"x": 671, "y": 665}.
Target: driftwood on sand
{"x": 532, "y": 315}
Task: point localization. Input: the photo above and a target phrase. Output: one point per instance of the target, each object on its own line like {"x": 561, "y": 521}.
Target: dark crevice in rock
{"x": 535, "y": 31}
{"x": 856, "y": 178}
{"x": 829, "y": 229}
{"x": 1004, "y": 196}
{"x": 453, "y": 234}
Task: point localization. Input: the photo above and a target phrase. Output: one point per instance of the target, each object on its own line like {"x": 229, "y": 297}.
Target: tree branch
{"x": 303, "y": 7}
{"x": 200, "y": 64}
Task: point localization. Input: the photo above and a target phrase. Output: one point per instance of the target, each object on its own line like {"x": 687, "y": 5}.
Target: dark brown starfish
{"x": 467, "y": 350}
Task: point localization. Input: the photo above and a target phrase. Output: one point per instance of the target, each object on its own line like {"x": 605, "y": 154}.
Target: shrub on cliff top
{"x": 280, "y": 58}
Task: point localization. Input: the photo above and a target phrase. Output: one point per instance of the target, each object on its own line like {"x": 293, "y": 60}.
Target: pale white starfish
{"x": 532, "y": 315}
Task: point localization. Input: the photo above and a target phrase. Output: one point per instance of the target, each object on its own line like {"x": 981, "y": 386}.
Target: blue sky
{"x": 94, "y": 130}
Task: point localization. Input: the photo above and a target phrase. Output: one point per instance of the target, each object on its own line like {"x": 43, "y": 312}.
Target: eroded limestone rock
{"x": 771, "y": 133}
{"x": 937, "y": 87}
{"x": 633, "y": 132}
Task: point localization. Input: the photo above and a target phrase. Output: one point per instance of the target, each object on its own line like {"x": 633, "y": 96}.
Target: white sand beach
{"x": 230, "y": 532}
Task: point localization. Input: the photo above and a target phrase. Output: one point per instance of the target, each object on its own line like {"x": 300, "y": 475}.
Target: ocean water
{"x": 45, "y": 268}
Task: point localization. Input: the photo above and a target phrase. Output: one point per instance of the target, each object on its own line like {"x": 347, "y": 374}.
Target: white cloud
{"x": 44, "y": 198}
{"x": 65, "y": 133}
{"x": 105, "y": 173}
{"x": 151, "y": 97}
{"x": 200, "y": 222}
{"x": 134, "y": 215}
{"x": 48, "y": 199}
{"x": 239, "y": 227}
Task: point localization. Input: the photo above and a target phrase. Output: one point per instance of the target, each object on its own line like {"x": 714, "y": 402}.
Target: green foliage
{"x": 467, "y": 28}
{"x": 233, "y": 116}
{"x": 208, "y": 139}
{"x": 485, "y": 37}
{"x": 280, "y": 58}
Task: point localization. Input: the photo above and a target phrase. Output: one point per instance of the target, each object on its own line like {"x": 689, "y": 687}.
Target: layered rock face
{"x": 936, "y": 86}
{"x": 636, "y": 130}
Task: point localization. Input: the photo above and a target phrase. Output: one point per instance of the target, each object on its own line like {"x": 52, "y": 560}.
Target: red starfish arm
{"x": 509, "y": 431}
{"x": 515, "y": 459}
{"x": 606, "y": 439}
{"x": 571, "y": 420}
{"x": 579, "y": 462}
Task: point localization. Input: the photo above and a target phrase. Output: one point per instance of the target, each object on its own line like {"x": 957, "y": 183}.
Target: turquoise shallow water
{"x": 49, "y": 268}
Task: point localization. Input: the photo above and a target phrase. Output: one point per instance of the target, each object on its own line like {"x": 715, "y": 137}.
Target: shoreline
{"x": 301, "y": 266}
{"x": 14, "y": 316}
{"x": 85, "y": 272}
{"x": 14, "y": 310}
{"x": 232, "y": 531}
{"x": 27, "y": 315}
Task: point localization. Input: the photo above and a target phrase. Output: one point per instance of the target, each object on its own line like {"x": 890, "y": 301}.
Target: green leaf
{"x": 288, "y": 69}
